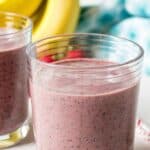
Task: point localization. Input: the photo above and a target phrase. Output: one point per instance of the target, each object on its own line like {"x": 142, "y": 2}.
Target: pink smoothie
{"x": 13, "y": 87}
{"x": 83, "y": 112}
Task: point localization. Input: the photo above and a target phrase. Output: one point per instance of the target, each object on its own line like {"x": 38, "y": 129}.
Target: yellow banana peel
{"x": 24, "y": 7}
{"x": 58, "y": 17}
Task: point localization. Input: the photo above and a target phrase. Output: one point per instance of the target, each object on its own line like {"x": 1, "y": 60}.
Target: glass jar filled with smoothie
{"x": 84, "y": 90}
{"x": 15, "y": 35}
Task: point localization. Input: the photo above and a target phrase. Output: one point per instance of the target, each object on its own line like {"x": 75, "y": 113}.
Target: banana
{"x": 20, "y": 6}
{"x": 38, "y": 13}
{"x": 57, "y": 17}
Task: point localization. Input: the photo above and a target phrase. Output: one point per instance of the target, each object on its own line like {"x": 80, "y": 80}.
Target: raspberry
{"x": 47, "y": 59}
{"x": 75, "y": 53}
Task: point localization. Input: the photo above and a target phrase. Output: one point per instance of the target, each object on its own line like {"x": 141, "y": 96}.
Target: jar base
{"x": 14, "y": 137}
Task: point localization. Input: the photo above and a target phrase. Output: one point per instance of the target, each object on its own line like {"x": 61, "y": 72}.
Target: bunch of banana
{"x": 50, "y": 17}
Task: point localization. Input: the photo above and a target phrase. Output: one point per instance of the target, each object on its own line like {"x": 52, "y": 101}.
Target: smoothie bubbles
{"x": 15, "y": 35}
{"x": 84, "y": 90}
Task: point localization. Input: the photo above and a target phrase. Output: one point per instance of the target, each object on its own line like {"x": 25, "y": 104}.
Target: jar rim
{"x": 134, "y": 60}
{"x": 28, "y": 27}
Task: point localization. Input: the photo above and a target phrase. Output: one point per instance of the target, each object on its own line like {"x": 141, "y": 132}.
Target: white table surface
{"x": 28, "y": 144}
{"x": 140, "y": 143}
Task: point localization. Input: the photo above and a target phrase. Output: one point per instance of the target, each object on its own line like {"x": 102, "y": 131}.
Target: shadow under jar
{"x": 15, "y": 35}
{"x": 86, "y": 102}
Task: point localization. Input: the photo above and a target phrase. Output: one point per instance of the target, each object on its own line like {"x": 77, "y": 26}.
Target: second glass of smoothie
{"x": 15, "y": 35}
{"x": 85, "y": 97}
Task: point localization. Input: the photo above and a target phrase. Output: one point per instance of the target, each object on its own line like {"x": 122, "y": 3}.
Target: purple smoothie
{"x": 13, "y": 88}
{"x": 74, "y": 113}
